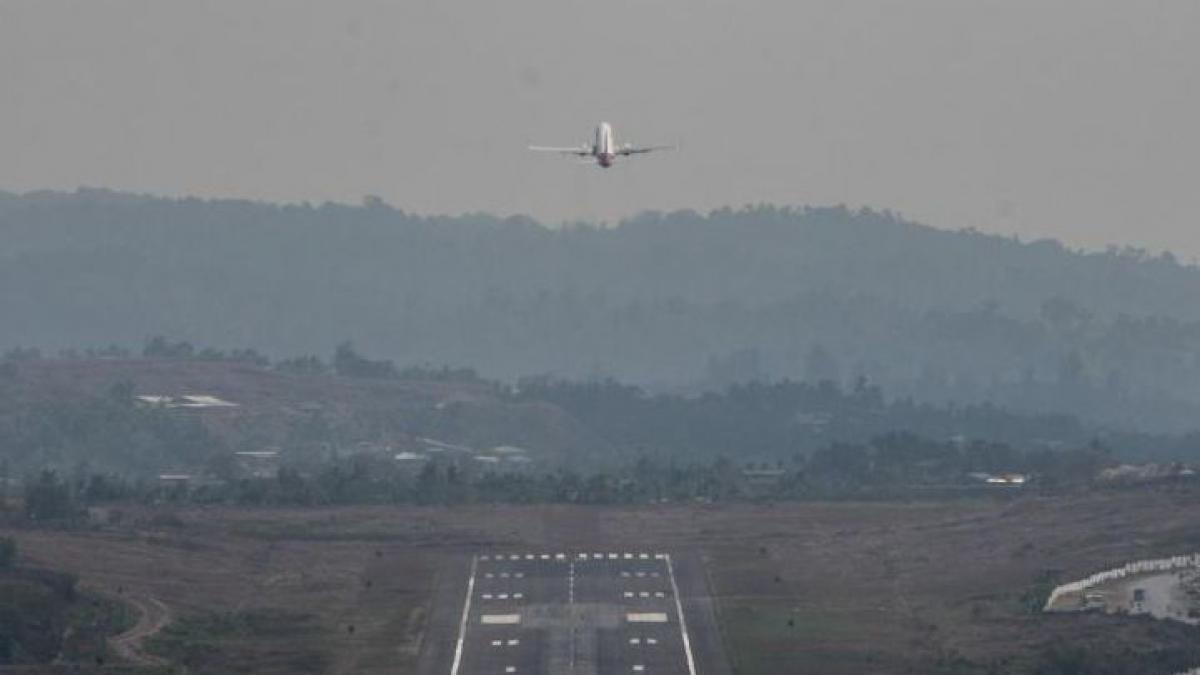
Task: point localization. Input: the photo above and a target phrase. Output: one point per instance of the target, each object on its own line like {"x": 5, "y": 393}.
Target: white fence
{"x": 1178, "y": 562}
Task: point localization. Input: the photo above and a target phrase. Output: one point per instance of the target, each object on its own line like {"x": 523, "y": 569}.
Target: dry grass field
{"x": 802, "y": 587}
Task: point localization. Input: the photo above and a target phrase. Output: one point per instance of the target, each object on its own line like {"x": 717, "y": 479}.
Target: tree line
{"x": 890, "y": 466}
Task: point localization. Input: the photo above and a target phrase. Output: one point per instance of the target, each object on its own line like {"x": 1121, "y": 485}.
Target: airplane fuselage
{"x": 605, "y": 147}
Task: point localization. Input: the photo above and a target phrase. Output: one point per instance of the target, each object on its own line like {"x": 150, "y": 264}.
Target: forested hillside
{"x": 77, "y": 431}
{"x": 682, "y": 300}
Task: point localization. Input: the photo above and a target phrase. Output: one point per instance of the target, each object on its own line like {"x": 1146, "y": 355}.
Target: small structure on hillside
{"x": 188, "y": 401}
{"x": 815, "y": 422}
{"x": 1001, "y": 479}
{"x": 374, "y": 448}
{"x": 512, "y": 455}
{"x": 1127, "y": 474}
{"x": 258, "y": 463}
{"x": 434, "y": 445}
{"x": 763, "y": 475}
{"x": 411, "y": 462}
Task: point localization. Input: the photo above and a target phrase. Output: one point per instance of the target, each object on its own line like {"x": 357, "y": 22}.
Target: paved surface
{"x": 574, "y": 613}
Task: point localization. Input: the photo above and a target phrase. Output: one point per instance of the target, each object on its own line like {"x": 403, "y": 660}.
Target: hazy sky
{"x": 1077, "y": 120}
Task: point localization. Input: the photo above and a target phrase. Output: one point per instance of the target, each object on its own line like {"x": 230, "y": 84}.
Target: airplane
{"x": 604, "y": 148}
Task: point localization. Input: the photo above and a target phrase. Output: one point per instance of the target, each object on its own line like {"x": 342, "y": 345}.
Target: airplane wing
{"x": 578, "y": 151}
{"x": 638, "y": 150}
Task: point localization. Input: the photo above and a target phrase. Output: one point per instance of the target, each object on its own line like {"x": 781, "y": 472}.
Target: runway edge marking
{"x": 462, "y": 626}
{"x": 687, "y": 644}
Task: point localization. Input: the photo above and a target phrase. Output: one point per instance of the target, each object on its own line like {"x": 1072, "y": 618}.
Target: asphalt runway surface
{"x": 573, "y": 613}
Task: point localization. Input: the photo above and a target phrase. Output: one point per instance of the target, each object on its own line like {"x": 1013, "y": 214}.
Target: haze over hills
{"x": 679, "y": 300}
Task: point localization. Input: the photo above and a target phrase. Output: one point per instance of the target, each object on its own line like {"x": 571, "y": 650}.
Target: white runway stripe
{"x": 462, "y": 626}
{"x": 687, "y": 644}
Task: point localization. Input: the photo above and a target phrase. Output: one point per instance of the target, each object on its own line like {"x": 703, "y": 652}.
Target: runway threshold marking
{"x": 650, "y": 617}
{"x": 687, "y": 644}
{"x": 462, "y": 625}
{"x": 500, "y": 619}
{"x": 646, "y": 617}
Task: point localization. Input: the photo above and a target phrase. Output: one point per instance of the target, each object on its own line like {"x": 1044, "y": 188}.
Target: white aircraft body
{"x": 603, "y": 148}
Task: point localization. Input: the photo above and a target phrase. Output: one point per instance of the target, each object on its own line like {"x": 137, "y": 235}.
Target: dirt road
{"x": 153, "y": 615}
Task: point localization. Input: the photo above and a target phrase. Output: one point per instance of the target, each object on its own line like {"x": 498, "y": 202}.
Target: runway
{"x": 576, "y": 613}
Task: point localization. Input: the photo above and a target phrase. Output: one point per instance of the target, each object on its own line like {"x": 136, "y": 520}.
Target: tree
{"x": 348, "y": 362}
{"x": 49, "y": 498}
{"x": 302, "y": 365}
{"x": 121, "y": 392}
{"x": 8, "y": 552}
{"x": 1064, "y": 316}
{"x": 821, "y": 366}
{"x": 159, "y": 347}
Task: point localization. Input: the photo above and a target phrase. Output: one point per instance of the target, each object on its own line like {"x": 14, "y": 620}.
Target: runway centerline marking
{"x": 571, "y": 609}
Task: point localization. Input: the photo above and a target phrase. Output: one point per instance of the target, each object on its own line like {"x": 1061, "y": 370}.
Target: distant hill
{"x": 64, "y": 412}
{"x": 679, "y": 300}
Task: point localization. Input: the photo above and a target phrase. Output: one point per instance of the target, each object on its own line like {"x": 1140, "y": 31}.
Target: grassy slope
{"x": 890, "y": 588}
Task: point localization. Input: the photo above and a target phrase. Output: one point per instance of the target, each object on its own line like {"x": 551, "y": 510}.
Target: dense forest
{"x": 673, "y": 302}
